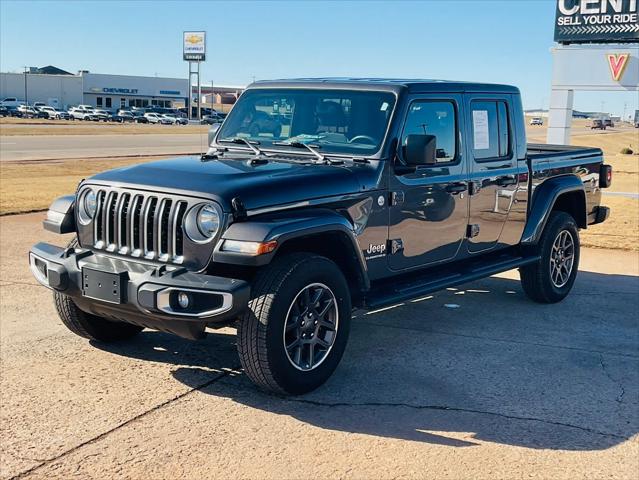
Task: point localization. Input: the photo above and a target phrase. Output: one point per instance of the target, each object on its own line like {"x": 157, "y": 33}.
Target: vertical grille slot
{"x": 109, "y": 213}
{"x": 149, "y": 226}
{"x": 164, "y": 227}
{"x": 120, "y": 221}
{"x": 98, "y": 225}
{"x": 133, "y": 222}
{"x": 178, "y": 232}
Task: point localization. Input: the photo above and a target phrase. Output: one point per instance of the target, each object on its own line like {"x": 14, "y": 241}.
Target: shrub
{"x": 627, "y": 151}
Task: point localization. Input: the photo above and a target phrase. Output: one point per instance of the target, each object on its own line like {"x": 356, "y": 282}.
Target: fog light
{"x": 183, "y": 300}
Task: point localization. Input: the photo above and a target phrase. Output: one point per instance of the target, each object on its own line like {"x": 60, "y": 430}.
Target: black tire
{"x": 536, "y": 279}
{"x": 91, "y": 326}
{"x": 261, "y": 331}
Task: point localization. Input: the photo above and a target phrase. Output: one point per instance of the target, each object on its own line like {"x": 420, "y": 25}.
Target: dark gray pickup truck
{"x": 318, "y": 197}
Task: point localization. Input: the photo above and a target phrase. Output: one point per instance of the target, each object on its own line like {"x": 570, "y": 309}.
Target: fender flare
{"x": 543, "y": 200}
{"x": 61, "y": 215}
{"x": 283, "y": 228}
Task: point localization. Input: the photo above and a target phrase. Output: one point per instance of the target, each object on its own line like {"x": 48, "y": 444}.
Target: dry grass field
{"x": 27, "y": 187}
{"x": 31, "y": 186}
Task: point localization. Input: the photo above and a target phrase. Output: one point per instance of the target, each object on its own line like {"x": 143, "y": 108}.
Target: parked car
{"x": 213, "y": 118}
{"x": 139, "y": 117}
{"x": 14, "y": 112}
{"x": 158, "y": 118}
{"x": 100, "y": 115}
{"x": 175, "y": 120}
{"x": 123, "y": 116}
{"x": 609, "y": 123}
{"x": 285, "y": 235}
{"x": 62, "y": 115}
{"x": 27, "y": 111}
{"x": 536, "y": 121}
{"x": 4, "y": 111}
{"x": 81, "y": 112}
{"x": 598, "y": 124}
{"x": 39, "y": 105}
{"x": 50, "y": 112}
{"x": 11, "y": 102}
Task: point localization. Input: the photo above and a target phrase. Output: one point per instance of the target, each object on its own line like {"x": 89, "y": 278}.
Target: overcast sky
{"x": 505, "y": 41}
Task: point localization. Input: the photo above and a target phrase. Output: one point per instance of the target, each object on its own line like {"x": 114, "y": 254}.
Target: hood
{"x": 258, "y": 186}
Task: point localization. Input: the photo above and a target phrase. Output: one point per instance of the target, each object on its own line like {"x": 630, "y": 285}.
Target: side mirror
{"x": 420, "y": 150}
{"x": 212, "y": 131}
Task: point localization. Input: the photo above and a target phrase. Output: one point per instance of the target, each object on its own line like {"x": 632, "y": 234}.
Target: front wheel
{"x": 551, "y": 278}
{"x": 295, "y": 330}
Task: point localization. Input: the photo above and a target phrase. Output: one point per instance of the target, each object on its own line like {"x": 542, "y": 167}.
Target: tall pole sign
{"x": 194, "y": 52}
{"x": 596, "y": 21}
{"x": 598, "y": 51}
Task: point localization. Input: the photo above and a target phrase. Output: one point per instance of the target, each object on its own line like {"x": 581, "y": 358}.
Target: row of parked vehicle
{"x": 153, "y": 114}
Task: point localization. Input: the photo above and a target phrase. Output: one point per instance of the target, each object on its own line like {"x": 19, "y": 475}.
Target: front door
{"x": 494, "y": 170}
{"x": 429, "y": 204}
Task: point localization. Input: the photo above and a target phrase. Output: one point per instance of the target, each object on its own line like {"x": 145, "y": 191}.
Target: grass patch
{"x": 620, "y": 231}
{"x": 33, "y": 186}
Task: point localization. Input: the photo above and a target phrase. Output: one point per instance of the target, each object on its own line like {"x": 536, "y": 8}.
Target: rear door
{"x": 494, "y": 172}
{"x": 429, "y": 204}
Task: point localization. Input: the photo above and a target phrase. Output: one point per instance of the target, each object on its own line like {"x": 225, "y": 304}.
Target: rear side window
{"x": 491, "y": 133}
{"x": 434, "y": 118}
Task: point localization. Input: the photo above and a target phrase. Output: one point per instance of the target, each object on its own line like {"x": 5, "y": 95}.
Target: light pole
{"x": 26, "y": 96}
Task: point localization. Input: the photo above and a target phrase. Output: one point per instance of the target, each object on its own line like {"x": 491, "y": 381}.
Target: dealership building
{"x": 62, "y": 89}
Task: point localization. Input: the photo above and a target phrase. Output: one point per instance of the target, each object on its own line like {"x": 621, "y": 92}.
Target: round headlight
{"x": 203, "y": 222}
{"x": 87, "y": 206}
{"x": 90, "y": 203}
{"x": 208, "y": 220}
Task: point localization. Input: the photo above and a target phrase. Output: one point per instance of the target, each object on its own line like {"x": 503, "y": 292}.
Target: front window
{"x": 336, "y": 121}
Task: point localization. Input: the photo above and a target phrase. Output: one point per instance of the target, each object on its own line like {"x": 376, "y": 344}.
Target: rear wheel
{"x": 551, "y": 278}
{"x": 294, "y": 333}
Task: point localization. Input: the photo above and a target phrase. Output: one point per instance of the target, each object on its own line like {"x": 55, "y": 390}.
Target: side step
{"x": 424, "y": 282}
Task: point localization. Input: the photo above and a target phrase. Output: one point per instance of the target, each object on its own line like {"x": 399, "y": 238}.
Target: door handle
{"x": 456, "y": 188}
{"x": 506, "y": 181}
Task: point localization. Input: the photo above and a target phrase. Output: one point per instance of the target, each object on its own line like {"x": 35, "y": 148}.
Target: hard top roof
{"x": 388, "y": 84}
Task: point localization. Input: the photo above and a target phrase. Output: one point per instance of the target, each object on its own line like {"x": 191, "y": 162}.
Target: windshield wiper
{"x": 311, "y": 148}
{"x": 244, "y": 141}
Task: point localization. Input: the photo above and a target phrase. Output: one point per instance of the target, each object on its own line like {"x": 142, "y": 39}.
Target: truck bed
{"x": 542, "y": 151}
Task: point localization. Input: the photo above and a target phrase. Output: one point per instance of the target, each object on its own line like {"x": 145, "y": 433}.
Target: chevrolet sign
{"x": 597, "y": 21}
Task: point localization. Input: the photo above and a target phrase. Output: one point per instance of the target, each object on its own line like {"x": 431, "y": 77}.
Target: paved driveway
{"x": 469, "y": 383}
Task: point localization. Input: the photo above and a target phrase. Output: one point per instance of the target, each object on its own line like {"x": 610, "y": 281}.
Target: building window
{"x": 98, "y": 101}
{"x": 122, "y": 102}
{"x": 108, "y": 102}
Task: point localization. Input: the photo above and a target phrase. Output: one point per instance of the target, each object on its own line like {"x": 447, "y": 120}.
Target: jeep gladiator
{"x": 318, "y": 197}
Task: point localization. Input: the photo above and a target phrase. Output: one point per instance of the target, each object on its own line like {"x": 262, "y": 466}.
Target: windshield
{"x": 348, "y": 122}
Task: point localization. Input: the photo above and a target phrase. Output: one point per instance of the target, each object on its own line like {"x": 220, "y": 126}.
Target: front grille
{"x": 140, "y": 225}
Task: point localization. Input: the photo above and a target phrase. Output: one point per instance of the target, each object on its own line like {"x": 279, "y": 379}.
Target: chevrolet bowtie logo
{"x": 194, "y": 39}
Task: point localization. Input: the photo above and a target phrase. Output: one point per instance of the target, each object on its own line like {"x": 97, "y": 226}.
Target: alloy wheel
{"x": 562, "y": 258}
{"x": 311, "y": 326}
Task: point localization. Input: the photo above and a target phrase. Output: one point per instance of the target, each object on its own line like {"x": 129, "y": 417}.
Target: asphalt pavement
{"x": 475, "y": 382}
{"x": 43, "y": 147}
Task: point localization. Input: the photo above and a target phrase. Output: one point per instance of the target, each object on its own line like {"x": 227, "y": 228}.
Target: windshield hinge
{"x": 239, "y": 211}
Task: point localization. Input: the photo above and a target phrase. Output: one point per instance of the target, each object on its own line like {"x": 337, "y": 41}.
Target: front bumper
{"x": 146, "y": 294}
